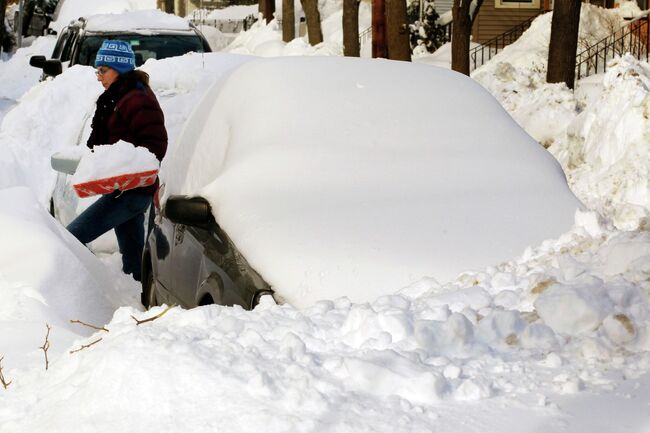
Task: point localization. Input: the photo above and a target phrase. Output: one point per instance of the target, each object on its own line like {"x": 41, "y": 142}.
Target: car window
{"x": 67, "y": 48}
{"x": 60, "y": 43}
{"x": 145, "y": 46}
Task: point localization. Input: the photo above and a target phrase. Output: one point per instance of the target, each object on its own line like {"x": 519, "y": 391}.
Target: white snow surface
{"x": 71, "y": 10}
{"x": 556, "y": 339}
{"x": 474, "y": 355}
{"x": 139, "y": 19}
{"x": 297, "y": 192}
{"x": 114, "y": 160}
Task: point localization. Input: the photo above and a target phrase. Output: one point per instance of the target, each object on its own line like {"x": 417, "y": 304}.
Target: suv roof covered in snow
{"x": 152, "y": 34}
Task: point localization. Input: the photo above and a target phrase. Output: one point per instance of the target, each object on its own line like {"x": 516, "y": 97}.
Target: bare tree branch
{"x": 4, "y": 383}
{"x": 46, "y": 346}
{"x": 157, "y": 316}
{"x": 89, "y": 325}
{"x": 86, "y": 346}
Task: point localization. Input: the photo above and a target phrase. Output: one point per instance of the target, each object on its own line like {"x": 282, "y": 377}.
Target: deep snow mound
{"x": 344, "y": 199}
{"x": 605, "y": 150}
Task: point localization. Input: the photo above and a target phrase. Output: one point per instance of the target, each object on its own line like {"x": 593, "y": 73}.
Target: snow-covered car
{"x": 152, "y": 34}
{"x": 345, "y": 177}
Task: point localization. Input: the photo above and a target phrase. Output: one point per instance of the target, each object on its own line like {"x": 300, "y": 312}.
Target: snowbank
{"x": 597, "y": 133}
{"x": 420, "y": 360}
{"x": 70, "y": 10}
{"x": 265, "y": 40}
{"x": 342, "y": 199}
{"x": 47, "y": 276}
{"x": 517, "y": 75}
{"x": 16, "y": 76}
{"x": 605, "y": 149}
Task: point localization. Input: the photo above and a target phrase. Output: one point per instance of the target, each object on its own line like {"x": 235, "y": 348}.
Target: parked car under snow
{"x": 345, "y": 177}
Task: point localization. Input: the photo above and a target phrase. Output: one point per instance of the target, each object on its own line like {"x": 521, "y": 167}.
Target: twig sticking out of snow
{"x": 4, "y": 383}
{"x": 86, "y": 346}
{"x": 89, "y": 325}
{"x": 46, "y": 346}
{"x": 151, "y": 319}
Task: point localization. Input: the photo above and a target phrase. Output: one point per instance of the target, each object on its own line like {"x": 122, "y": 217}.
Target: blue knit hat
{"x": 116, "y": 55}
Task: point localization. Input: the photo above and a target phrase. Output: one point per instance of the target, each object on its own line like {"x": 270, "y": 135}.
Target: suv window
{"x": 68, "y": 45}
{"x": 63, "y": 37}
{"x": 144, "y": 46}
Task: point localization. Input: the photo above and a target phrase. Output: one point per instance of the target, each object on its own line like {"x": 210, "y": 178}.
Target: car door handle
{"x": 180, "y": 234}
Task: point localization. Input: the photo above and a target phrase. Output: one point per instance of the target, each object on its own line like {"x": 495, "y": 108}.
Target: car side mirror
{"x": 52, "y": 67}
{"x": 194, "y": 211}
{"x": 37, "y": 61}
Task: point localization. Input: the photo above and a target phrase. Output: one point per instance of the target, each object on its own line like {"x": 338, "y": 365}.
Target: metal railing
{"x": 480, "y": 55}
{"x": 633, "y": 38}
{"x": 365, "y": 36}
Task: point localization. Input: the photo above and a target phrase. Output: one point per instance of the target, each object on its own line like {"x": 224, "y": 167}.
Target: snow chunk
{"x": 574, "y": 309}
{"x": 114, "y": 160}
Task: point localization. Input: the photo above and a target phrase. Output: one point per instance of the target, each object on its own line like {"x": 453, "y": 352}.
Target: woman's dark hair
{"x": 133, "y": 77}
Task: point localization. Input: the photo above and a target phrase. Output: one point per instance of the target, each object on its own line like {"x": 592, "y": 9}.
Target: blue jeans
{"x": 124, "y": 212}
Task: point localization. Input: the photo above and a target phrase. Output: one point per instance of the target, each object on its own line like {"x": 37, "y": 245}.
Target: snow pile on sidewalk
{"x": 114, "y": 160}
{"x": 517, "y": 75}
{"x": 72, "y": 9}
{"x": 569, "y": 316}
{"x": 605, "y": 149}
{"x": 598, "y": 133}
{"x": 265, "y": 40}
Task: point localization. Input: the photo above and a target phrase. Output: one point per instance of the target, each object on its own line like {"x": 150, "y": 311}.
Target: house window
{"x": 517, "y": 4}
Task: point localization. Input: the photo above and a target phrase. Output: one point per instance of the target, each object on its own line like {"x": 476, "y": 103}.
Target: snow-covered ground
{"x": 555, "y": 339}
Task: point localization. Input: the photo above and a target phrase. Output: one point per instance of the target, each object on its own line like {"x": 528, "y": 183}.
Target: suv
{"x": 79, "y": 42}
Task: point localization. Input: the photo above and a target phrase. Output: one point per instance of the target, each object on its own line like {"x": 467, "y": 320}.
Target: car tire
{"x": 259, "y": 295}
{"x": 149, "y": 295}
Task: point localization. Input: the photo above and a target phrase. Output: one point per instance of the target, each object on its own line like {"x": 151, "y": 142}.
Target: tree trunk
{"x": 379, "y": 49}
{"x": 169, "y": 6}
{"x": 182, "y": 9}
{"x": 564, "y": 42}
{"x": 3, "y": 29}
{"x": 268, "y": 10}
{"x": 461, "y": 32}
{"x": 351, "y": 28}
{"x": 288, "y": 21}
{"x": 313, "y": 21}
{"x": 397, "y": 34}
